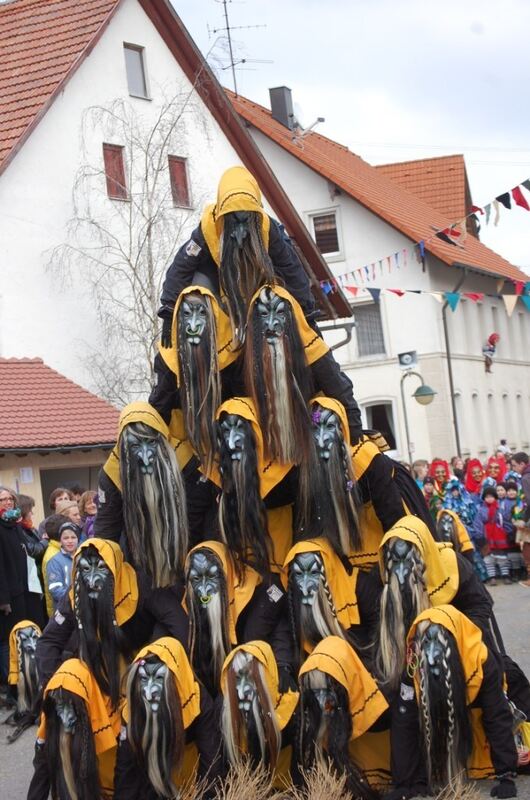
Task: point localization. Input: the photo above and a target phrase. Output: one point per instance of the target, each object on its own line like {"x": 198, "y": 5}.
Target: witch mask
{"x": 403, "y": 559}
{"x": 234, "y": 431}
{"x": 446, "y": 528}
{"x": 327, "y": 431}
{"x": 27, "y": 640}
{"x": 272, "y": 311}
{"x": 433, "y": 648}
{"x": 245, "y": 684}
{"x": 143, "y": 446}
{"x": 93, "y": 570}
{"x": 193, "y": 317}
{"x": 204, "y": 576}
{"x": 152, "y": 675}
{"x": 307, "y": 571}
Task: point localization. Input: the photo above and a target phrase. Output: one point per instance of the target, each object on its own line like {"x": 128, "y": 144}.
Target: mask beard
{"x": 200, "y": 388}
{"x": 279, "y": 382}
{"x": 209, "y": 636}
{"x": 242, "y": 513}
{"x": 257, "y": 735}
{"x": 71, "y": 757}
{"x": 398, "y": 611}
{"x": 101, "y": 642}
{"x": 27, "y": 684}
{"x": 156, "y": 738}
{"x": 444, "y": 719}
{"x": 316, "y": 621}
{"x": 154, "y": 512}
{"x": 242, "y": 271}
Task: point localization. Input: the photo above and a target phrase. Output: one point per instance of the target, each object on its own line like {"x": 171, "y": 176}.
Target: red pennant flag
{"x": 474, "y": 209}
{"x": 454, "y": 232}
{"x": 519, "y": 287}
{"x": 399, "y": 292}
{"x": 474, "y": 296}
{"x": 519, "y": 198}
{"x": 353, "y": 290}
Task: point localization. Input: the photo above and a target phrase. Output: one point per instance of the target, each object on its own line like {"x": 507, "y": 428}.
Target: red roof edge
{"x": 74, "y": 67}
{"x": 209, "y": 89}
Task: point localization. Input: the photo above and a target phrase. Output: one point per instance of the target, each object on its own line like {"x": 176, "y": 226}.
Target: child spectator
{"x": 59, "y": 568}
{"x": 491, "y": 536}
{"x": 52, "y": 526}
{"x": 510, "y": 506}
{"x": 501, "y": 491}
{"x": 88, "y": 510}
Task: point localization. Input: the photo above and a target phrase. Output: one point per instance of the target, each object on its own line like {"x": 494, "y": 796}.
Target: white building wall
{"x": 488, "y": 406}
{"x": 38, "y": 315}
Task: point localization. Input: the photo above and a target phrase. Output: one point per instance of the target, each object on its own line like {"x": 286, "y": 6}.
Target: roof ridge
{"x": 419, "y": 160}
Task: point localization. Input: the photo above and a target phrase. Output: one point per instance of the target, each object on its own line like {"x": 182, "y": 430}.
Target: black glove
{"x": 504, "y": 788}
{"x": 167, "y": 324}
{"x": 286, "y": 679}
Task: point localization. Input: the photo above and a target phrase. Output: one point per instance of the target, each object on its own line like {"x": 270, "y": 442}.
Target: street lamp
{"x": 424, "y": 395}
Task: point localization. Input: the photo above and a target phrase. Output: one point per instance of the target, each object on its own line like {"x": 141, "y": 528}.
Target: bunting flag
{"x": 376, "y": 292}
{"x": 353, "y": 290}
{"x": 519, "y": 198}
{"x": 500, "y": 284}
{"x": 437, "y": 296}
{"x": 510, "y": 301}
{"x": 453, "y": 299}
{"x": 526, "y": 300}
{"x": 519, "y": 287}
{"x": 474, "y": 296}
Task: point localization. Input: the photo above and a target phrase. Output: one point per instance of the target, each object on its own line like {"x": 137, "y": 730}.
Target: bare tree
{"x": 122, "y": 248}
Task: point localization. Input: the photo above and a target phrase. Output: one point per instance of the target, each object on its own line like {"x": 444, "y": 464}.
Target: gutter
{"x": 66, "y": 448}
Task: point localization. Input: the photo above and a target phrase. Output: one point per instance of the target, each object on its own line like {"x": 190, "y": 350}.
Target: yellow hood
{"x": 173, "y": 655}
{"x": 284, "y": 704}
{"x": 74, "y": 676}
{"x": 12, "y": 677}
{"x": 461, "y": 532}
{"x": 239, "y": 593}
{"x": 313, "y": 344}
{"x": 223, "y": 333}
{"x": 125, "y": 581}
{"x": 472, "y": 650}
{"x": 270, "y": 472}
{"x": 238, "y": 191}
{"x": 337, "y": 658}
{"x": 441, "y": 572}
{"x": 134, "y": 412}
{"x": 343, "y": 586}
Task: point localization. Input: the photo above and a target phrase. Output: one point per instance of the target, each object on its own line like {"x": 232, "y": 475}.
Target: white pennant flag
{"x": 510, "y": 301}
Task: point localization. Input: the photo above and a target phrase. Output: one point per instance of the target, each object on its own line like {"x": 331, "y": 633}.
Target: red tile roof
{"x": 43, "y": 42}
{"x": 369, "y": 186}
{"x": 441, "y": 182}
{"x": 40, "y": 409}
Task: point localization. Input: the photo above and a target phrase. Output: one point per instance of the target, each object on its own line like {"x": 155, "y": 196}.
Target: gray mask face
{"x": 152, "y": 675}
{"x": 233, "y": 430}
{"x": 66, "y": 712}
{"x": 433, "y": 649}
{"x": 245, "y": 686}
{"x": 194, "y": 315}
{"x": 27, "y": 640}
{"x": 446, "y": 527}
{"x": 204, "y": 575}
{"x": 272, "y": 311}
{"x": 403, "y": 560}
{"x": 327, "y": 700}
{"x": 94, "y": 572}
{"x": 142, "y": 448}
{"x": 307, "y": 571}
{"x": 327, "y": 431}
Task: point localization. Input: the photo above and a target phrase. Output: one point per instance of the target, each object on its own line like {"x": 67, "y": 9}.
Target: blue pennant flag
{"x": 452, "y": 299}
{"x": 375, "y": 294}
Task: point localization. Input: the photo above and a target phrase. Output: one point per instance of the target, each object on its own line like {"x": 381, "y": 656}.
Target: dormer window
{"x": 135, "y": 69}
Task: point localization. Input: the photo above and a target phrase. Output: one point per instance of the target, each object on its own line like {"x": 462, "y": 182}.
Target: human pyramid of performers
{"x": 266, "y": 585}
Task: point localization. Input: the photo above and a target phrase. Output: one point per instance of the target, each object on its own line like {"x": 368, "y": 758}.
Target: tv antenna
{"x": 227, "y": 30}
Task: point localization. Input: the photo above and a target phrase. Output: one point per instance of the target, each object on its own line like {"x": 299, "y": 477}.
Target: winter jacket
{"x": 13, "y": 576}
{"x": 59, "y": 576}
{"x": 490, "y": 530}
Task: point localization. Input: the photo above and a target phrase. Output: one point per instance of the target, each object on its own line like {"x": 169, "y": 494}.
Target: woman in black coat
{"x": 13, "y": 573}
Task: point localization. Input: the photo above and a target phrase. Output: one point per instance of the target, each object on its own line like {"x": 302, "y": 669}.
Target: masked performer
{"x": 77, "y": 739}
{"x": 255, "y": 513}
{"x": 496, "y": 468}
{"x": 169, "y": 720}
{"x": 239, "y": 248}
{"x": 23, "y": 674}
{"x": 257, "y": 718}
{"x": 112, "y": 611}
{"x": 451, "y": 529}
{"x": 473, "y": 481}
{"x": 439, "y": 472}
{"x": 418, "y": 573}
{"x": 354, "y": 495}
{"x": 340, "y": 701}
{"x": 326, "y": 600}
{"x": 451, "y": 697}
{"x": 285, "y": 362}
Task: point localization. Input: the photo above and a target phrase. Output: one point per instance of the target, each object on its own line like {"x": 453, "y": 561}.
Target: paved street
{"x": 511, "y": 605}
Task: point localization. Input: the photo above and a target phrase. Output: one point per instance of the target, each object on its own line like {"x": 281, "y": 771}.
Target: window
{"x": 179, "y": 181}
{"x": 135, "y": 68}
{"x": 380, "y": 417}
{"x": 115, "y": 171}
{"x": 369, "y": 329}
{"x": 326, "y": 233}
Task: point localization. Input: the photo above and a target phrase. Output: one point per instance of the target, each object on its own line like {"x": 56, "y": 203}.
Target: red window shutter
{"x": 179, "y": 181}
{"x": 115, "y": 171}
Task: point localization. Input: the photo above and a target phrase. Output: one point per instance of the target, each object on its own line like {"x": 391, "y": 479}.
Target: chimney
{"x": 282, "y": 106}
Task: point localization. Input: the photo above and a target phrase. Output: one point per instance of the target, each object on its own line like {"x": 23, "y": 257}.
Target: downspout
{"x": 450, "y": 366}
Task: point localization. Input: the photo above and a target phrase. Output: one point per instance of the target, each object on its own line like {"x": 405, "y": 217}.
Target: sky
{"x": 395, "y": 80}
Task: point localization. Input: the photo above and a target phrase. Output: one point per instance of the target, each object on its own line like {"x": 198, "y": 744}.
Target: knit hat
{"x": 64, "y": 505}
